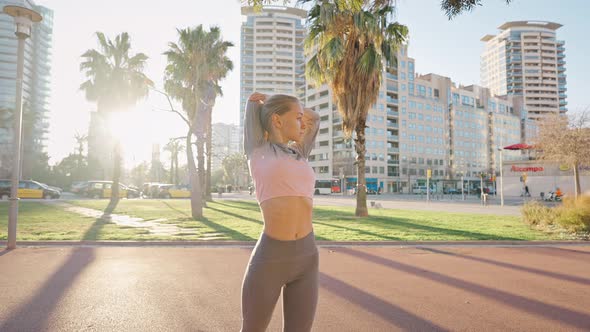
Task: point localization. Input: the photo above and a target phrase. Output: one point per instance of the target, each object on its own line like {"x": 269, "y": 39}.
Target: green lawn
{"x": 241, "y": 220}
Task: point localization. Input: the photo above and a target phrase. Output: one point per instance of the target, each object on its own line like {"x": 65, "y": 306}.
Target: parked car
{"x": 174, "y": 191}
{"x": 78, "y": 186}
{"x": 28, "y": 189}
{"x": 103, "y": 189}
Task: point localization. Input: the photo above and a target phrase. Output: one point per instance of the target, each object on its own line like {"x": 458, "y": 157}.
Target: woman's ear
{"x": 276, "y": 120}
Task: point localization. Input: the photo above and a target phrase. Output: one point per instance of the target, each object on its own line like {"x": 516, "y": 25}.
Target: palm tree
{"x": 115, "y": 81}
{"x": 81, "y": 139}
{"x": 350, "y": 43}
{"x": 452, "y": 8}
{"x": 195, "y": 66}
{"x": 174, "y": 146}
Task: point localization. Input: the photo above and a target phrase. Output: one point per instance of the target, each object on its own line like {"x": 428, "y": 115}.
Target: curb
{"x": 482, "y": 243}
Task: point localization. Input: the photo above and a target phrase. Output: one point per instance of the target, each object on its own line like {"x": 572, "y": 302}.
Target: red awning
{"x": 519, "y": 146}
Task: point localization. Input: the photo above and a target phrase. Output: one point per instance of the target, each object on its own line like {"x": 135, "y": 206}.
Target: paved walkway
{"x": 392, "y": 288}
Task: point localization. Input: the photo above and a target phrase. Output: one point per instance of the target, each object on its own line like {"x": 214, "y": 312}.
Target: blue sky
{"x": 450, "y": 48}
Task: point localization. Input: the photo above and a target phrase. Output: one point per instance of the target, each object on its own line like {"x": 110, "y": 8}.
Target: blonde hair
{"x": 276, "y": 104}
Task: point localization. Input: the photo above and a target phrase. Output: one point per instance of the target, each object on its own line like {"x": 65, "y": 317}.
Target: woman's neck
{"x": 277, "y": 138}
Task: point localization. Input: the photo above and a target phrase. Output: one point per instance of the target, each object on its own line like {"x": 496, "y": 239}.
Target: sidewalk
{"x": 390, "y": 288}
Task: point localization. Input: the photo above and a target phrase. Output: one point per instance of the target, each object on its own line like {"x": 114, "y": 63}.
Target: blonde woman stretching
{"x": 278, "y": 136}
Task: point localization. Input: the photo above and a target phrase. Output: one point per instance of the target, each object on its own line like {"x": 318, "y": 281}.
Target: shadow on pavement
{"x": 395, "y": 315}
{"x": 572, "y": 318}
{"x": 33, "y": 315}
{"x": 534, "y": 271}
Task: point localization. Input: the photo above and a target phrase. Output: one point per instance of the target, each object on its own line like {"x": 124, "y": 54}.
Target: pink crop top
{"x": 278, "y": 172}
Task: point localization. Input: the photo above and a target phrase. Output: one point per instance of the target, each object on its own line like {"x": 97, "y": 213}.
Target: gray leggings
{"x": 274, "y": 265}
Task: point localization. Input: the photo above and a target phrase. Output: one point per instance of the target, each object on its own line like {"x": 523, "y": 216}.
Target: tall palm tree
{"x": 174, "y": 146}
{"x": 452, "y": 8}
{"x": 350, "y": 42}
{"x": 81, "y": 139}
{"x": 115, "y": 81}
{"x": 195, "y": 66}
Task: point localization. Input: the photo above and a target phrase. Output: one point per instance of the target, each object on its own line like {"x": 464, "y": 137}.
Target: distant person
{"x": 558, "y": 193}
{"x": 285, "y": 257}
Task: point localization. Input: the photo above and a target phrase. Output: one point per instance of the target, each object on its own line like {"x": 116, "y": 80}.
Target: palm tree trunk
{"x": 361, "y": 184}
{"x": 171, "y": 169}
{"x": 196, "y": 199}
{"x": 116, "y": 178}
{"x": 208, "y": 196}
{"x": 201, "y": 165}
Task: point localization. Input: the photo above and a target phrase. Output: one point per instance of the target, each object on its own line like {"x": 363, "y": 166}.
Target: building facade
{"x": 420, "y": 124}
{"x": 271, "y": 52}
{"x": 526, "y": 59}
{"x": 225, "y": 141}
{"x": 36, "y": 90}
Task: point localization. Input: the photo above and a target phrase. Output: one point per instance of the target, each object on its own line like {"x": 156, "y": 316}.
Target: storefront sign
{"x": 533, "y": 169}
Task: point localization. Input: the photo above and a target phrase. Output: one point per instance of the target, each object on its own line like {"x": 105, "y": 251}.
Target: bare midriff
{"x": 287, "y": 218}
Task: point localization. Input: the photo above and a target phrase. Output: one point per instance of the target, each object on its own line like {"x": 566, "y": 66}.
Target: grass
{"x": 241, "y": 220}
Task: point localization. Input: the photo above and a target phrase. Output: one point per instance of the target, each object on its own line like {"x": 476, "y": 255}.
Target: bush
{"x": 573, "y": 215}
{"x": 537, "y": 214}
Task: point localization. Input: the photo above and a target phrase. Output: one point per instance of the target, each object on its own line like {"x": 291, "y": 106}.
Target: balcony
{"x": 392, "y": 113}
{"x": 392, "y": 150}
{"x": 392, "y": 138}
{"x": 391, "y": 76}
{"x": 392, "y": 125}
{"x": 390, "y": 100}
{"x": 393, "y": 162}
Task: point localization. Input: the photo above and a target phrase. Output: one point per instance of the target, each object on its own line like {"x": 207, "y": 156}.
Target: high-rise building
{"x": 36, "y": 91}
{"x": 225, "y": 141}
{"x": 271, "y": 53}
{"x": 525, "y": 59}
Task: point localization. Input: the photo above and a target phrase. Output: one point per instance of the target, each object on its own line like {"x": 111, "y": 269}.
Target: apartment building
{"x": 526, "y": 59}
{"x": 271, "y": 52}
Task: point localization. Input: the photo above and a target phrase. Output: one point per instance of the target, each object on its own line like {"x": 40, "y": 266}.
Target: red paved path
{"x": 362, "y": 289}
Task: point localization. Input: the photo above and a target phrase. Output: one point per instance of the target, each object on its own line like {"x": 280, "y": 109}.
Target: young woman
{"x": 278, "y": 136}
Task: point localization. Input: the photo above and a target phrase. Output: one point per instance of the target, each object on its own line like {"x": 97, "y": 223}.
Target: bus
{"x": 326, "y": 187}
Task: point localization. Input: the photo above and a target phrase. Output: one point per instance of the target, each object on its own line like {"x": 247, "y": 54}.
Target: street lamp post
{"x": 23, "y": 19}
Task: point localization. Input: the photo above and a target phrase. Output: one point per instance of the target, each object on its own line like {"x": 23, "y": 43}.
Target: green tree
{"x": 174, "y": 146}
{"x": 350, "y": 43}
{"x": 234, "y": 166}
{"x": 115, "y": 82}
{"x": 196, "y": 64}
{"x": 451, "y": 8}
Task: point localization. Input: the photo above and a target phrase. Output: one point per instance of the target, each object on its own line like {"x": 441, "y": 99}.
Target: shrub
{"x": 573, "y": 215}
{"x": 537, "y": 214}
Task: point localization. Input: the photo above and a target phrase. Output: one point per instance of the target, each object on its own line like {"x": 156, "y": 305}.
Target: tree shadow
{"x": 5, "y": 251}
{"x": 176, "y": 209}
{"x": 534, "y": 271}
{"x": 233, "y": 234}
{"x": 565, "y": 316}
{"x": 387, "y": 223}
{"x": 237, "y": 215}
{"x": 240, "y": 205}
{"x": 393, "y": 314}
{"x": 385, "y": 237}
{"x": 33, "y": 315}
